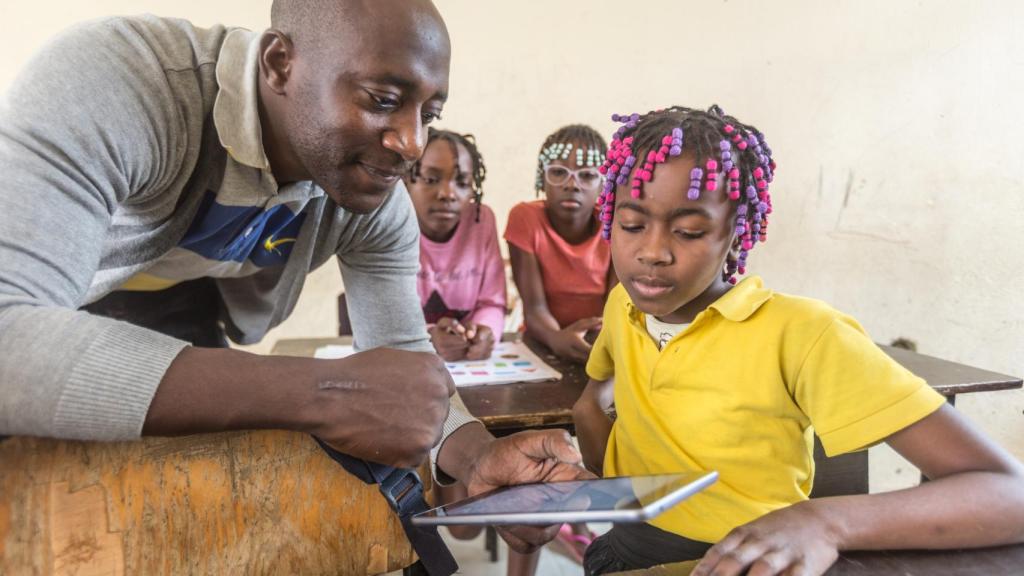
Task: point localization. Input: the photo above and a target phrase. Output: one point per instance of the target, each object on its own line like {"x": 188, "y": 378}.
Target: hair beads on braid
{"x": 718, "y": 142}
{"x": 589, "y": 149}
{"x": 454, "y": 139}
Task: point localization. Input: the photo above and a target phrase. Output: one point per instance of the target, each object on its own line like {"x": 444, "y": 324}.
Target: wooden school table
{"x": 510, "y": 408}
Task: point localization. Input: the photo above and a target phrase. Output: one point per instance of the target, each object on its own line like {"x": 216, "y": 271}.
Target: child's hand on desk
{"x": 449, "y": 339}
{"x": 569, "y": 341}
{"x": 481, "y": 342}
{"x": 793, "y": 540}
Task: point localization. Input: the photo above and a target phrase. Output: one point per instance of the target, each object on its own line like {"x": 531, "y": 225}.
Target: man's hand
{"x": 481, "y": 342}
{"x": 386, "y": 406}
{"x": 523, "y": 458}
{"x": 449, "y": 339}
{"x": 795, "y": 540}
{"x": 569, "y": 341}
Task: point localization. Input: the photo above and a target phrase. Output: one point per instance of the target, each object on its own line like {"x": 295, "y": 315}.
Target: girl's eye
{"x": 432, "y": 180}
{"x": 631, "y": 228}
{"x": 688, "y": 235}
{"x": 462, "y": 184}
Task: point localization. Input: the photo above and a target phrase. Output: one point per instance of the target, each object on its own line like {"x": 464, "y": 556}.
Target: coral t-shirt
{"x": 575, "y": 276}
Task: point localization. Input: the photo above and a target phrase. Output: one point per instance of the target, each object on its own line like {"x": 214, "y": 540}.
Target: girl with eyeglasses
{"x": 562, "y": 267}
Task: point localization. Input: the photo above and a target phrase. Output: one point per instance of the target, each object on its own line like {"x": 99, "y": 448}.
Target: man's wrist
{"x": 462, "y": 448}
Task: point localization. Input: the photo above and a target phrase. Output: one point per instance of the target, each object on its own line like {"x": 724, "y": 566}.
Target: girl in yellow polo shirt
{"x": 711, "y": 374}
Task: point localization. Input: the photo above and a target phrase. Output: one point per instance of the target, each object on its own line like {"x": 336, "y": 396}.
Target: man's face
{"x": 357, "y": 107}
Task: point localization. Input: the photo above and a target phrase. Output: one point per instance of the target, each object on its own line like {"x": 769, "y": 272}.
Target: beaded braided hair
{"x": 720, "y": 143}
{"x": 454, "y": 140}
{"x": 587, "y": 143}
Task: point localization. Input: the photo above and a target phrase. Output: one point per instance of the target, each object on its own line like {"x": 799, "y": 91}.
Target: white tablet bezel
{"x": 629, "y": 515}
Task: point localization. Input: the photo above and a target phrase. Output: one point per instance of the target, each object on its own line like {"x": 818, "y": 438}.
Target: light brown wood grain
{"x": 239, "y": 503}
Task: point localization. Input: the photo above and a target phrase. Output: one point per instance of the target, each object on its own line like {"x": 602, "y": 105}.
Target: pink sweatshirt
{"x": 464, "y": 278}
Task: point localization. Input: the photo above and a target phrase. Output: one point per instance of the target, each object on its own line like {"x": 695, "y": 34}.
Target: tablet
{"x": 627, "y": 499}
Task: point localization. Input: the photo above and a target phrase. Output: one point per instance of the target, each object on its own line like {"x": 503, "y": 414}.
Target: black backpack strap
{"x": 403, "y": 490}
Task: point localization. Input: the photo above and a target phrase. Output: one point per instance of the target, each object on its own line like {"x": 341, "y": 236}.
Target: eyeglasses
{"x": 587, "y": 178}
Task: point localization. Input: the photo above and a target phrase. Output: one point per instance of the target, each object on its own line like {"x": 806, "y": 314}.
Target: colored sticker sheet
{"x": 510, "y": 362}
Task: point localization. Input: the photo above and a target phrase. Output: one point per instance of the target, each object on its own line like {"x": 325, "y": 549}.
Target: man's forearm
{"x": 214, "y": 390}
{"x": 461, "y": 449}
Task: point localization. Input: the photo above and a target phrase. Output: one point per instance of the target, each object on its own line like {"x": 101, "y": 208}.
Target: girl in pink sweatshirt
{"x": 461, "y": 281}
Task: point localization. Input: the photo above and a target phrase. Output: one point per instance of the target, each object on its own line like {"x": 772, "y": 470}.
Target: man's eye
{"x": 384, "y": 102}
{"x": 631, "y": 228}
{"x": 429, "y": 117}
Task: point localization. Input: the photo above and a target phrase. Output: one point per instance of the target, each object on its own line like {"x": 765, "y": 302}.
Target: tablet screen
{"x": 576, "y": 498}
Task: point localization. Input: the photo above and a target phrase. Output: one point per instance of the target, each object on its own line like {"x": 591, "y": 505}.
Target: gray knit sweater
{"x": 109, "y": 141}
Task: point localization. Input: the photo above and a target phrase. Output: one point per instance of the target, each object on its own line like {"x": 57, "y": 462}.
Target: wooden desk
{"x": 987, "y": 561}
{"x": 515, "y": 407}
{"x": 511, "y": 408}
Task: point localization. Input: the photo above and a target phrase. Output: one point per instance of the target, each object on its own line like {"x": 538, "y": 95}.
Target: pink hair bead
{"x": 666, "y": 141}
{"x": 758, "y": 173}
{"x": 734, "y": 194}
{"x": 729, "y": 128}
{"x": 742, "y": 145}
{"x": 711, "y": 185}
{"x": 712, "y": 165}
{"x": 660, "y": 158}
{"x": 734, "y": 173}
{"x": 748, "y": 245}
{"x": 635, "y": 193}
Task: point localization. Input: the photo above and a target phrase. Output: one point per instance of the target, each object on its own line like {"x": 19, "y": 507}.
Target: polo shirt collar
{"x": 236, "y": 110}
{"x": 743, "y": 300}
{"x": 736, "y": 305}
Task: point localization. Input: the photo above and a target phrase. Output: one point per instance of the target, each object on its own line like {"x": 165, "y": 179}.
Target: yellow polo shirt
{"x": 738, "y": 391}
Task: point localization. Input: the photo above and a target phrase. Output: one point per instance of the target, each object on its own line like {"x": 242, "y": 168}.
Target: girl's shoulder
{"x": 533, "y": 209}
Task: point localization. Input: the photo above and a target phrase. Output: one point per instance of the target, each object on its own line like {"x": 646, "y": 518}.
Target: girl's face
{"x": 442, "y": 189}
{"x": 571, "y": 190}
{"x": 669, "y": 251}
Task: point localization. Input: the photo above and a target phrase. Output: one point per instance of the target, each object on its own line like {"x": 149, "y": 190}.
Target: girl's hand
{"x": 794, "y": 541}
{"x": 449, "y": 339}
{"x": 481, "y": 342}
{"x": 569, "y": 343}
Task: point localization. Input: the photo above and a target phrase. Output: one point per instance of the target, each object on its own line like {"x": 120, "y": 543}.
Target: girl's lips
{"x": 651, "y": 287}
{"x": 570, "y": 204}
{"x": 444, "y": 214}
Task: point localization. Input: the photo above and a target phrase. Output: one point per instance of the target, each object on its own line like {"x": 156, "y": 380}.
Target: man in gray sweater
{"x": 163, "y": 185}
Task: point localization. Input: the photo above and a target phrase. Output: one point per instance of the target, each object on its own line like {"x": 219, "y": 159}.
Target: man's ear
{"x": 276, "y": 55}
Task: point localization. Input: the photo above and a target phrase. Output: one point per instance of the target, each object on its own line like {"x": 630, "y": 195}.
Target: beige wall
{"x": 895, "y": 124}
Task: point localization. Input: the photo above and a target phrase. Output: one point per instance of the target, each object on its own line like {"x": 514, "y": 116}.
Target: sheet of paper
{"x": 510, "y": 362}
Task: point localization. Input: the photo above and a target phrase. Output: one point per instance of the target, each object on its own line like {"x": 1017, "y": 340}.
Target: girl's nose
{"x": 655, "y": 251}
